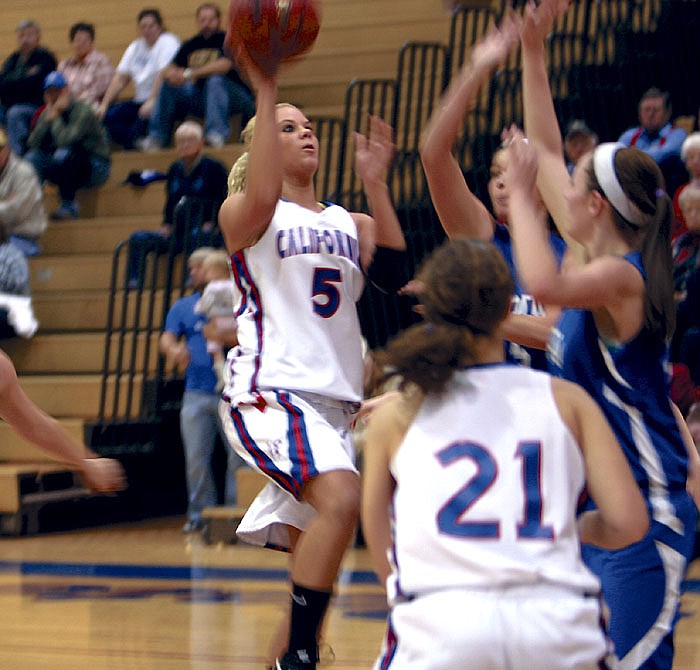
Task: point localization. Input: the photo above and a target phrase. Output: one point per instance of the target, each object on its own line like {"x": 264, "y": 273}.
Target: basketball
{"x": 273, "y": 31}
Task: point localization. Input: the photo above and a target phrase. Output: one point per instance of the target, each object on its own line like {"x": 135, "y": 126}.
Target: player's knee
{"x": 339, "y": 497}
{"x": 346, "y": 504}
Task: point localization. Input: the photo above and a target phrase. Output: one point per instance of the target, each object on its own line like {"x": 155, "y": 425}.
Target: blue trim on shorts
{"x": 391, "y": 643}
{"x": 262, "y": 460}
{"x": 300, "y": 454}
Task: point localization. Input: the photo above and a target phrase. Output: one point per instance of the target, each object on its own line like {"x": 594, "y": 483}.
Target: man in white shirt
{"x": 142, "y": 63}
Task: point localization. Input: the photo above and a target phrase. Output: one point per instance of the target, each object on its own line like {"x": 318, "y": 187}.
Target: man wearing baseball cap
{"x": 68, "y": 146}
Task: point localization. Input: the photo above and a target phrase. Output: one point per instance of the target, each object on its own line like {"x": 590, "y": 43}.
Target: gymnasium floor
{"x": 144, "y": 596}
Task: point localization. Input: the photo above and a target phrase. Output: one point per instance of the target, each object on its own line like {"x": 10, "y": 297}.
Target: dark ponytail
{"x": 466, "y": 293}
{"x": 642, "y": 182}
{"x": 659, "y": 306}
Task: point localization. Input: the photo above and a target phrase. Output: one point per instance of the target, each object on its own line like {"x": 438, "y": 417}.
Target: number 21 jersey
{"x": 488, "y": 480}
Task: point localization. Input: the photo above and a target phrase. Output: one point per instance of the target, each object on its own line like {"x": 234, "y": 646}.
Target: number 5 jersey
{"x": 298, "y": 327}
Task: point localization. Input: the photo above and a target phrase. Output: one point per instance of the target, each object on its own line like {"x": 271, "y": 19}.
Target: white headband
{"x": 604, "y": 169}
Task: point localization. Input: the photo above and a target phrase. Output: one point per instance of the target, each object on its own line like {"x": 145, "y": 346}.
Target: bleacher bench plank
{"x": 25, "y": 489}
{"x": 220, "y": 523}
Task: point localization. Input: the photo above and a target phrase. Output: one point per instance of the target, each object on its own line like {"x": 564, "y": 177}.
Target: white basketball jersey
{"x": 298, "y": 327}
{"x": 488, "y": 479}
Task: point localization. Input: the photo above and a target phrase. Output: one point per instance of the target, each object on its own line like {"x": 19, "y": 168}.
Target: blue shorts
{"x": 641, "y": 587}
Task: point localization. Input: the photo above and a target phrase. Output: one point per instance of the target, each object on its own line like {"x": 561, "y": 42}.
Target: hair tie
{"x": 660, "y": 193}
{"x": 604, "y": 170}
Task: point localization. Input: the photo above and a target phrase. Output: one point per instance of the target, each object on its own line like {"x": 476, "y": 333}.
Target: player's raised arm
{"x": 541, "y": 124}
{"x": 382, "y": 243}
{"x": 460, "y": 211}
{"x": 244, "y": 216}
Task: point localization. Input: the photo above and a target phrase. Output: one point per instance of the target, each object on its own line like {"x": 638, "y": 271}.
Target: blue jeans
{"x": 144, "y": 242}
{"x": 27, "y": 245}
{"x": 69, "y": 170}
{"x": 16, "y": 120}
{"x": 199, "y": 425}
{"x": 124, "y": 124}
{"x": 215, "y": 103}
{"x": 141, "y": 243}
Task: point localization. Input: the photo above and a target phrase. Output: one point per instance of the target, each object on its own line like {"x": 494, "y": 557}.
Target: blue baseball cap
{"x": 55, "y": 79}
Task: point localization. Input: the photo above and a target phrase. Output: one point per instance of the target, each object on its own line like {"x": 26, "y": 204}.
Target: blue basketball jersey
{"x": 524, "y": 302}
{"x": 629, "y": 382}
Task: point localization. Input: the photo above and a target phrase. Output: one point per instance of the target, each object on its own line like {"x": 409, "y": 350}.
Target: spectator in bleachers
{"x": 22, "y": 211}
{"x": 202, "y": 81}
{"x": 142, "y": 63}
{"x": 579, "y": 139}
{"x": 685, "y": 346}
{"x": 88, "y": 71}
{"x": 193, "y": 174}
{"x": 22, "y": 84}
{"x": 16, "y": 313}
{"x": 68, "y": 146}
{"x": 690, "y": 155}
{"x": 184, "y": 347}
{"x": 657, "y": 136}
{"x": 686, "y": 249}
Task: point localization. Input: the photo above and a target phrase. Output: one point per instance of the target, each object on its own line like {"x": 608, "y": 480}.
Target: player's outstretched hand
{"x": 368, "y": 406}
{"x": 538, "y": 21}
{"x": 104, "y": 475}
{"x": 522, "y": 161}
{"x": 374, "y": 153}
{"x": 492, "y": 51}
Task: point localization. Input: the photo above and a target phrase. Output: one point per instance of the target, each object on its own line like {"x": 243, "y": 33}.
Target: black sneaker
{"x": 192, "y": 526}
{"x": 291, "y": 661}
{"x": 67, "y": 211}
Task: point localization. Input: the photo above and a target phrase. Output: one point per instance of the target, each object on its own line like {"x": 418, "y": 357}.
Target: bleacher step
{"x": 124, "y": 162}
{"x": 15, "y": 448}
{"x": 68, "y": 353}
{"x": 86, "y": 310}
{"x": 75, "y": 395}
{"x": 98, "y": 235}
{"x": 220, "y": 522}
{"x": 25, "y": 488}
{"x": 76, "y": 272}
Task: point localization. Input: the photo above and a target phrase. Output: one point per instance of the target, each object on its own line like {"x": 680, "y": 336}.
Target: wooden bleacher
{"x": 220, "y": 523}
{"x": 358, "y": 38}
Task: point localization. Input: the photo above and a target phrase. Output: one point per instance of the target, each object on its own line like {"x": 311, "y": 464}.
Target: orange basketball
{"x": 273, "y": 31}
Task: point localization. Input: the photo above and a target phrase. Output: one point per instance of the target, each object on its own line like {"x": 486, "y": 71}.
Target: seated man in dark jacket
{"x": 22, "y": 84}
{"x": 192, "y": 175}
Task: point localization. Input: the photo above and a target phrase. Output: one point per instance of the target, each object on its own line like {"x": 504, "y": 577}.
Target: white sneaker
{"x": 215, "y": 140}
{"x": 148, "y": 144}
